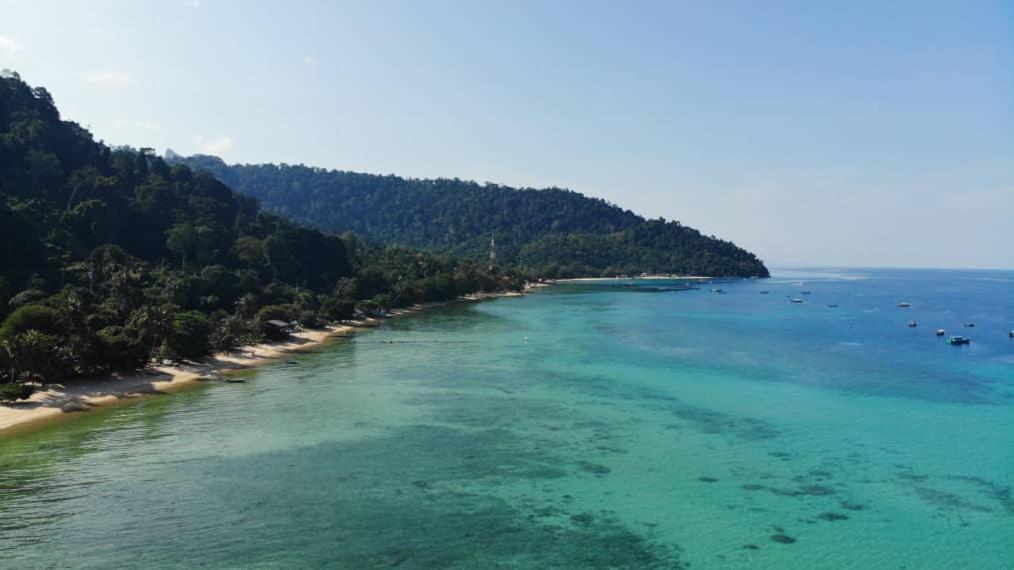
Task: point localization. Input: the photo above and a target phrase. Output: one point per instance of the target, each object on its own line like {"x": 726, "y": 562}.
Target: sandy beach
{"x": 646, "y": 277}
{"x": 59, "y": 401}
{"x": 82, "y": 394}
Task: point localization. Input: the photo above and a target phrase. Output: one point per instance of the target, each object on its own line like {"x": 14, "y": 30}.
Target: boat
{"x": 969, "y": 324}
{"x": 941, "y": 332}
{"x": 796, "y": 301}
{"x": 1010, "y": 334}
{"x": 955, "y": 340}
{"x": 912, "y": 323}
{"x": 764, "y": 292}
{"x": 833, "y": 306}
{"x": 904, "y": 305}
{"x": 806, "y": 292}
{"x": 716, "y": 291}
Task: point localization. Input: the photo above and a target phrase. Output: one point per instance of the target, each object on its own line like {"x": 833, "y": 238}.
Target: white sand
{"x": 82, "y": 394}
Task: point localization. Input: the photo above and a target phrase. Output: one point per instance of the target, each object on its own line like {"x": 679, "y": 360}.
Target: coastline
{"x": 63, "y": 401}
{"x": 644, "y": 278}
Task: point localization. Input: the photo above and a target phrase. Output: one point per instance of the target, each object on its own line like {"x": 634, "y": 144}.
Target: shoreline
{"x": 63, "y": 401}
{"x": 645, "y": 278}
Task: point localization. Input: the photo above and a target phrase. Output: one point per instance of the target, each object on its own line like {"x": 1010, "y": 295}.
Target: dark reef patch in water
{"x": 594, "y": 468}
{"x": 707, "y": 479}
{"x": 782, "y": 539}
{"x": 817, "y": 490}
{"x": 751, "y": 487}
{"x": 832, "y": 517}
{"x": 999, "y": 493}
{"x": 451, "y": 518}
{"x": 949, "y": 501}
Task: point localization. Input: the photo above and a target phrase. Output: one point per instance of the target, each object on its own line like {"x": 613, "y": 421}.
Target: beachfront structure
{"x": 281, "y": 327}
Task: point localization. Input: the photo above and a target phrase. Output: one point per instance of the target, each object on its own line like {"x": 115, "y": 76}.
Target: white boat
{"x": 912, "y": 323}
{"x": 797, "y": 300}
{"x": 941, "y": 332}
{"x": 904, "y": 305}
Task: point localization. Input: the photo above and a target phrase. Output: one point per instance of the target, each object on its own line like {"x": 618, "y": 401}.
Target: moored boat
{"x": 904, "y": 305}
{"x": 797, "y": 300}
{"x": 941, "y": 332}
{"x": 912, "y": 323}
{"x": 959, "y": 340}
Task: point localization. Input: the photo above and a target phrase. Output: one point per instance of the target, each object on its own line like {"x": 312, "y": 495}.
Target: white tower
{"x": 492, "y": 251}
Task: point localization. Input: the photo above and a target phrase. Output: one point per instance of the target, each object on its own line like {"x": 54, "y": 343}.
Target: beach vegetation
{"x": 113, "y": 257}
{"x": 12, "y": 392}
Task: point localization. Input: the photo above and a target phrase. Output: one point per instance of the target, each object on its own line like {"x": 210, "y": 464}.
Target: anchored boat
{"x": 959, "y": 340}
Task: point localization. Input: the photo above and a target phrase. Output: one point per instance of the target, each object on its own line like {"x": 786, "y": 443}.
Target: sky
{"x": 838, "y": 133}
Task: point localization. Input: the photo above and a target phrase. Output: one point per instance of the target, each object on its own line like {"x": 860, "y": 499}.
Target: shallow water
{"x": 639, "y": 429}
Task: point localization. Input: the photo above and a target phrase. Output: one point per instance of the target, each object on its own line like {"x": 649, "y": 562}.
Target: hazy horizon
{"x": 857, "y": 135}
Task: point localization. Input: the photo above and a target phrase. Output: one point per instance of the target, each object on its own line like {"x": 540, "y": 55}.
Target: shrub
{"x": 12, "y": 392}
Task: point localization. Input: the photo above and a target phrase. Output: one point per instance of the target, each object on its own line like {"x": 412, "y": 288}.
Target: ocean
{"x": 619, "y": 424}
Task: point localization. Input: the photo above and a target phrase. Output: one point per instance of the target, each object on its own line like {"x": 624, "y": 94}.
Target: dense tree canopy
{"x": 113, "y": 256}
{"x": 550, "y": 231}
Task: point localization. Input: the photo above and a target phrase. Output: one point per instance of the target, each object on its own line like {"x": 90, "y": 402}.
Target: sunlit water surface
{"x": 637, "y": 427}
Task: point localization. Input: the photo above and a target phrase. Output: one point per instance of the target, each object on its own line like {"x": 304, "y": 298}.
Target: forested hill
{"x": 553, "y": 232}
{"x": 111, "y": 256}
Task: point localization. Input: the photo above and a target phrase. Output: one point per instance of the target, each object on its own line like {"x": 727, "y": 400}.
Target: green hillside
{"x": 112, "y": 256}
{"x": 552, "y": 232}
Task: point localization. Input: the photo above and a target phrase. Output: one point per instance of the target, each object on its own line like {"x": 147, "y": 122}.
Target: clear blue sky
{"x": 814, "y": 133}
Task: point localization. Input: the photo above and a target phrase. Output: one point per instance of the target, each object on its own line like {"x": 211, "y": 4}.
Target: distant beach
{"x": 645, "y": 277}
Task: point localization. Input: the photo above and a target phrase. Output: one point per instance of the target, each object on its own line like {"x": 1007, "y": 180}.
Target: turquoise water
{"x": 638, "y": 427}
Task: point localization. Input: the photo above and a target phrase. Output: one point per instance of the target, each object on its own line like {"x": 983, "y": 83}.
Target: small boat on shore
{"x": 956, "y": 340}
{"x": 941, "y": 332}
{"x": 904, "y": 305}
{"x": 913, "y": 324}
